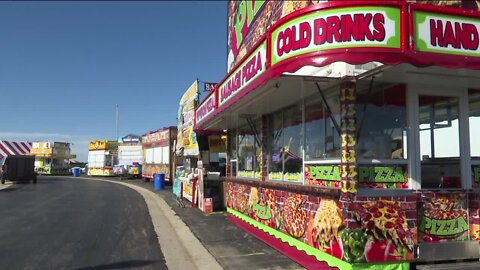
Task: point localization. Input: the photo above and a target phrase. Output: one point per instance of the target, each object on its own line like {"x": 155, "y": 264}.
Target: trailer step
{"x": 450, "y": 266}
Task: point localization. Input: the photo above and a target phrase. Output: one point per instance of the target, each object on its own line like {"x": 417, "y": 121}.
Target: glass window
{"x": 285, "y": 159}
{"x": 249, "y": 151}
{"x": 474, "y": 122}
{"x": 381, "y": 135}
{"x": 381, "y": 122}
{"x": 322, "y": 140}
{"x": 275, "y": 168}
{"x": 439, "y": 142}
{"x": 292, "y": 144}
{"x": 232, "y": 140}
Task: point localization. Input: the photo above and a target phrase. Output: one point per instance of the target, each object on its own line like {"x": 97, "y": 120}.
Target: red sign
{"x": 248, "y": 71}
{"x": 206, "y": 108}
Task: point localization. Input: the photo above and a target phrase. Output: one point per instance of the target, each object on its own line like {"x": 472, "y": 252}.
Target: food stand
{"x": 187, "y": 152}
{"x": 102, "y": 156}
{"x": 351, "y": 130}
{"x": 130, "y": 156}
{"x": 158, "y": 153}
{"x": 52, "y": 158}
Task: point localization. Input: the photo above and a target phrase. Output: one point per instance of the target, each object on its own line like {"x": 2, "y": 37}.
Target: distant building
{"x": 52, "y": 157}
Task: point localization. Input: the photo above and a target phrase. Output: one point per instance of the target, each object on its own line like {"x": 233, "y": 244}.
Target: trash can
{"x": 76, "y": 171}
{"x": 159, "y": 181}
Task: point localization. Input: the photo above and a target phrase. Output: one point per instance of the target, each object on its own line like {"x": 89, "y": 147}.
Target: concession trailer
{"x": 352, "y": 130}
{"x": 158, "y": 153}
{"x": 102, "y": 156}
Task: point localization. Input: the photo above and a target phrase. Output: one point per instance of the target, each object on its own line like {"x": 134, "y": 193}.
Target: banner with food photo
{"x": 325, "y": 228}
{"x": 313, "y": 221}
{"x": 443, "y": 217}
{"x": 384, "y": 233}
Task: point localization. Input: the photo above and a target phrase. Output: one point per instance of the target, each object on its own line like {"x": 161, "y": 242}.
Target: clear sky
{"x": 64, "y": 66}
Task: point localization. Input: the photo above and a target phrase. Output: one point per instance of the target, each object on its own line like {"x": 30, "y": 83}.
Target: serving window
{"x": 474, "y": 124}
{"x": 439, "y": 142}
{"x": 286, "y": 143}
{"x": 381, "y": 136}
{"x": 249, "y": 150}
{"x": 322, "y": 140}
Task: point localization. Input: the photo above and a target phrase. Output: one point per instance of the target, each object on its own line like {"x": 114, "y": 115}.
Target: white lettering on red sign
{"x": 159, "y": 136}
{"x": 206, "y": 108}
{"x": 249, "y": 70}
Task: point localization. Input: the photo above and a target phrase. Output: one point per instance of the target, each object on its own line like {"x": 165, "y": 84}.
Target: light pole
{"x": 116, "y": 121}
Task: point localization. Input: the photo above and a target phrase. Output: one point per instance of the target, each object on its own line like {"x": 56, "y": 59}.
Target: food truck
{"x": 102, "y": 156}
{"x": 352, "y": 130}
{"x": 130, "y": 154}
{"x": 52, "y": 158}
{"x": 158, "y": 153}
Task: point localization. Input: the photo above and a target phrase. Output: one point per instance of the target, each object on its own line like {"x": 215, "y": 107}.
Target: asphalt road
{"x": 67, "y": 223}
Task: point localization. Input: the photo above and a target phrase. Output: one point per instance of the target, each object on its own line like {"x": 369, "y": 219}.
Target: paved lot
{"x": 66, "y": 223}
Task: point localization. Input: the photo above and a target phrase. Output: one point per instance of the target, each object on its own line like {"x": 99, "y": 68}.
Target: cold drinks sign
{"x": 335, "y": 29}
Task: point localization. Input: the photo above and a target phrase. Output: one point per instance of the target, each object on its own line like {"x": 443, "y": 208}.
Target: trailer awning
{"x": 9, "y": 148}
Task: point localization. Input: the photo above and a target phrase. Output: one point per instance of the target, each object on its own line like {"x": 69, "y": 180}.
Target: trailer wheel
{"x": 3, "y": 181}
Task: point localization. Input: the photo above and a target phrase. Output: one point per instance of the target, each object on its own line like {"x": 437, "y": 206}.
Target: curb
{"x": 6, "y": 185}
{"x": 182, "y": 250}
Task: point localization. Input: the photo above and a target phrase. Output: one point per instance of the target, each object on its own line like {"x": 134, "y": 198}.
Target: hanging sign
{"x": 208, "y": 87}
{"x": 342, "y": 28}
{"x": 441, "y": 33}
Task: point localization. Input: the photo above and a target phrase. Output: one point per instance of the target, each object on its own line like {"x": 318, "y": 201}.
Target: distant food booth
{"x": 102, "y": 156}
{"x": 51, "y": 158}
{"x": 158, "y": 153}
{"x": 352, "y": 130}
{"x": 130, "y": 154}
{"x": 187, "y": 153}
{"x": 201, "y": 158}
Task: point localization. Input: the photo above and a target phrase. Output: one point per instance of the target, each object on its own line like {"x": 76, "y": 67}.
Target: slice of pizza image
{"x": 327, "y": 220}
{"x": 323, "y": 228}
{"x": 294, "y": 216}
{"x": 386, "y": 220}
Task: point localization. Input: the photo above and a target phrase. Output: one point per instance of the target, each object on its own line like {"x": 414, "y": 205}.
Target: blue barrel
{"x": 76, "y": 171}
{"x": 159, "y": 181}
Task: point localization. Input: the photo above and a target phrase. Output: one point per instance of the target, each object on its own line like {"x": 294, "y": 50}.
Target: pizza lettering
{"x": 443, "y": 218}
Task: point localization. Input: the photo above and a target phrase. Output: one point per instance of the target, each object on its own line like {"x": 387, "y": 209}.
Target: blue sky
{"x": 64, "y": 66}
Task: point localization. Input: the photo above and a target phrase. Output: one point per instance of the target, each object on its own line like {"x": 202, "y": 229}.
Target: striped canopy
{"x": 8, "y": 148}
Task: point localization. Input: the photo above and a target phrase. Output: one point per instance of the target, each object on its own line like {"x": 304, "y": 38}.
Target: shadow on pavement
{"x": 232, "y": 247}
{"x": 120, "y": 265}
{"x": 9, "y": 189}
